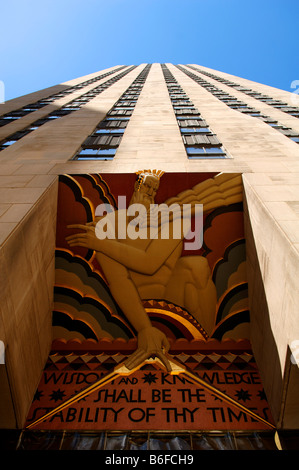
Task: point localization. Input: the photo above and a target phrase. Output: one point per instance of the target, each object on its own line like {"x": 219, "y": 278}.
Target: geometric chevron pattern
{"x": 195, "y": 362}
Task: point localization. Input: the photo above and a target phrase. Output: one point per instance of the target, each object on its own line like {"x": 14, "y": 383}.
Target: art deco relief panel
{"x": 151, "y": 332}
{"x": 86, "y": 309}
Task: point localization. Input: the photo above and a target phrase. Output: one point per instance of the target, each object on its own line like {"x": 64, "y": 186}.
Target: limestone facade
{"x": 29, "y": 169}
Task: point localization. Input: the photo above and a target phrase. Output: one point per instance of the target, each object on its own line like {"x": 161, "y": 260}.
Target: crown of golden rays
{"x": 143, "y": 173}
{"x": 157, "y": 173}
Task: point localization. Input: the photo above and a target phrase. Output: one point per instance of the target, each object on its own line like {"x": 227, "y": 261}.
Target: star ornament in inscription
{"x": 57, "y": 395}
{"x": 243, "y": 395}
{"x": 150, "y": 378}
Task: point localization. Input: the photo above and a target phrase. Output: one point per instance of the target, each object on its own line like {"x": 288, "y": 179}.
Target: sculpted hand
{"x": 86, "y": 239}
{"x": 94, "y": 222}
{"x": 151, "y": 341}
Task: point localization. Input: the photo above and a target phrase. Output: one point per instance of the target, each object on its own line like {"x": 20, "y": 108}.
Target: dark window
{"x": 69, "y": 108}
{"x": 103, "y": 142}
{"x": 197, "y": 137}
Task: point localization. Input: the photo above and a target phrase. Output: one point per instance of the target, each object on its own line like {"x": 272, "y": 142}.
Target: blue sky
{"x": 46, "y": 42}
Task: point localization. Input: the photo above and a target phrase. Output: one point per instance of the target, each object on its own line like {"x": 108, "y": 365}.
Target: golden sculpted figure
{"x": 152, "y": 267}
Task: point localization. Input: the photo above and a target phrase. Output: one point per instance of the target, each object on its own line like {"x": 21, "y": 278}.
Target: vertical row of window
{"x": 234, "y": 103}
{"x": 74, "y": 105}
{"x": 103, "y": 143}
{"x": 29, "y": 108}
{"x": 199, "y": 140}
{"x": 285, "y": 107}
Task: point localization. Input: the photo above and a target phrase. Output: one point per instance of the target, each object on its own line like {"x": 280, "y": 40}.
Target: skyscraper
{"x": 224, "y": 141}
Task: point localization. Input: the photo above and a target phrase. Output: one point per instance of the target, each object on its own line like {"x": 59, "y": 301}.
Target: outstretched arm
{"x": 145, "y": 261}
{"x": 151, "y": 341}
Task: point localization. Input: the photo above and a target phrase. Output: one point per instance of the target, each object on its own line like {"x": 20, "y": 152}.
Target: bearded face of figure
{"x": 147, "y": 191}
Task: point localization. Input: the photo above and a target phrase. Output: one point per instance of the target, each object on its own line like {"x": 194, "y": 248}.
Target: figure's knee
{"x": 191, "y": 298}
